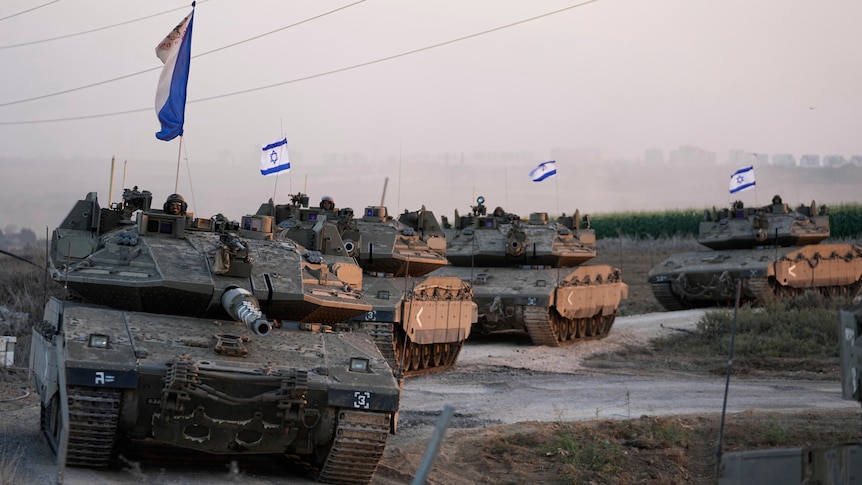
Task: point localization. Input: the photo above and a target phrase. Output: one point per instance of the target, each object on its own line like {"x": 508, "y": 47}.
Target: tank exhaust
{"x": 240, "y": 304}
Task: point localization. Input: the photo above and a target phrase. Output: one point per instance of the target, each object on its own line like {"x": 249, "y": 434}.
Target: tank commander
{"x": 327, "y": 204}
{"x": 175, "y": 205}
{"x": 499, "y": 212}
{"x": 778, "y": 206}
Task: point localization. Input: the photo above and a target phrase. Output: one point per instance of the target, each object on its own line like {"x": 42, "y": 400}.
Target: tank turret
{"x": 208, "y": 335}
{"x": 528, "y": 274}
{"x": 776, "y": 252}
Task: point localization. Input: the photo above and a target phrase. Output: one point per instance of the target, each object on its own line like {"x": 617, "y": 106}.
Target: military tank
{"x": 420, "y": 324}
{"x": 776, "y": 252}
{"x": 206, "y": 335}
{"x": 529, "y": 275}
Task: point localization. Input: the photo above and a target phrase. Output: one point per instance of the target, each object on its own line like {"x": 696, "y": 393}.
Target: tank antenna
{"x": 111, "y": 182}
{"x": 383, "y": 197}
{"x": 179, "y": 156}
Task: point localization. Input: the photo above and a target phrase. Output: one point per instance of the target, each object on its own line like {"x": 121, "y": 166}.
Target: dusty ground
{"x": 523, "y": 413}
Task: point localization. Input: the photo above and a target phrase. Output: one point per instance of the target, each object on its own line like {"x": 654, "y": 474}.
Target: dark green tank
{"x": 529, "y": 275}
{"x": 208, "y": 335}
{"x": 776, "y": 252}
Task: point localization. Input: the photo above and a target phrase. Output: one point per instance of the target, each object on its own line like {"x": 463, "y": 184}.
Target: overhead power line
{"x": 37, "y": 7}
{"x": 305, "y": 78}
{"x": 99, "y": 29}
{"x": 158, "y": 68}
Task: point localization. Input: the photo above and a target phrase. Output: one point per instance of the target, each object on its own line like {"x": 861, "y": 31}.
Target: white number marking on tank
{"x": 790, "y": 270}
{"x": 362, "y": 399}
{"x": 370, "y": 316}
{"x": 102, "y": 378}
{"x": 531, "y": 302}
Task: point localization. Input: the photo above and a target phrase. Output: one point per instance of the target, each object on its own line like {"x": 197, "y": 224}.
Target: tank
{"x": 530, "y": 275}
{"x": 776, "y": 252}
{"x": 182, "y": 265}
{"x": 419, "y": 323}
{"x": 209, "y": 336}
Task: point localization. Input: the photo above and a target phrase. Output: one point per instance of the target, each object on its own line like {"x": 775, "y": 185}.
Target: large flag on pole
{"x": 543, "y": 171}
{"x": 742, "y": 179}
{"x": 175, "y": 52}
{"x": 274, "y": 158}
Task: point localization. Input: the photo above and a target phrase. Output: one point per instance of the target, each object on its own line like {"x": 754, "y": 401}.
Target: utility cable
{"x": 107, "y": 27}
{"x": 28, "y": 10}
{"x": 283, "y": 83}
{"x": 158, "y": 68}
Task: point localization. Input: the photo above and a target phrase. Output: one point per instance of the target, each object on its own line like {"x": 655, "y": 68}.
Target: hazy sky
{"x": 622, "y": 76}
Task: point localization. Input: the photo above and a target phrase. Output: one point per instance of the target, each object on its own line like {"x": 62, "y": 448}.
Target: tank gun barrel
{"x": 240, "y": 304}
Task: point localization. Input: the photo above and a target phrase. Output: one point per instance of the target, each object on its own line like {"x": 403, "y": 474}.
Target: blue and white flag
{"x": 543, "y": 171}
{"x": 742, "y": 179}
{"x": 175, "y": 51}
{"x": 274, "y": 158}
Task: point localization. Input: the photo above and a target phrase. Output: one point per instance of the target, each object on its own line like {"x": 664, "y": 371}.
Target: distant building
{"x": 834, "y": 161}
{"x": 783, "y": 160}
{"x": 577, "y": 155}
{"x": 738, "y": 157}
{"x": 688, "y": 154}
{"x": 654, "y": 156}
{"x": 809, "y": 160}
{"x": 855, "y": 160}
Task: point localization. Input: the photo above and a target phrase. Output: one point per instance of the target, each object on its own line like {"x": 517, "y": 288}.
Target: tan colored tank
{"x": 207, "y": 335}
{"x": 776, "y": 253}
{"x": 419, "y": 323}
{"x": 528, "y": 275}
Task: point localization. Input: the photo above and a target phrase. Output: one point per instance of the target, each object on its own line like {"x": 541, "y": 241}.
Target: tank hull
{"x": 210, "y": 386}
{"x": 707, "y": 278}
{"x": 555, "y": 306}
{"x": 420, "y": 324}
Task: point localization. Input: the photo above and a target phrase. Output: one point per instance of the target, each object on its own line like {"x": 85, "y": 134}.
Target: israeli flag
{"x": 175, "y": 51}
{"x": 273, "y": 158}
{"x": 543, "y": 171}
{"x": 742, "y": 179}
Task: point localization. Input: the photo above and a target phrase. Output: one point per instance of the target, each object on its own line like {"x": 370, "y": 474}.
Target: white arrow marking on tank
{"x": 418, "y": 314}
{"x": 569, "y": 298}
{"x": 790, "y": 270}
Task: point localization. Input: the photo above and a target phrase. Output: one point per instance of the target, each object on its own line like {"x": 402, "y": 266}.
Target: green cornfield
{"x": 845, "y": 223}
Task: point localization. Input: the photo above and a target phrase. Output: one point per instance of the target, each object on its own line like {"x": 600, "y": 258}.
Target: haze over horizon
{"x": 617, "y": 76}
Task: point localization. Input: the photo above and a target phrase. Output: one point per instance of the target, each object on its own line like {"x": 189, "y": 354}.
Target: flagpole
{"x": 179, "y": 157}
{"x": 557, "y": 181}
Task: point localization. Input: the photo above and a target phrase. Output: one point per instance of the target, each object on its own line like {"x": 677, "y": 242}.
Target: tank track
{"x": 764, "y": 291}
{"x": 384, "y": 339}
{"x": 667, "y": 298}
{"x": 93, "y": 417}
{"x": 419, "y": 359}
{"x": 357, "y": 448}
{"x": 547, "y": 327}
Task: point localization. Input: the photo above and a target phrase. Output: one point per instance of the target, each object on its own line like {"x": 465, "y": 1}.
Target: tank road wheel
{"x": 415, "y": 356}
{"x": 452, "y": 352}
{"x": 582, "y": 327}
{"x": 593, "y": 329}
{"x": 437, "y": 354}
{"x": 561, "y": 328}
{"x": 572, "y": 328}
{"x": 425, "y": 351}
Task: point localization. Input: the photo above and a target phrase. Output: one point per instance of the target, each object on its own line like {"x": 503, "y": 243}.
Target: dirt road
{"x": 498, "y": 380}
